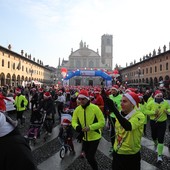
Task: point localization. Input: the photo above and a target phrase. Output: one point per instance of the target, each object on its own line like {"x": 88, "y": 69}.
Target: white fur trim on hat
{"x": 83, "y": 96}
{"x": 130, "y": 98}
{"x": 115, "y": 87}
{"x": 157, "y": 92}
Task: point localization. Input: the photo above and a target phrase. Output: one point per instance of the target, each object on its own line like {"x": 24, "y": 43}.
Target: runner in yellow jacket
{"x": 88, "y": 120}
{"x": 129, "y": 130}
{"x": 21, "y": 105}
{"x": 157, "y": 109}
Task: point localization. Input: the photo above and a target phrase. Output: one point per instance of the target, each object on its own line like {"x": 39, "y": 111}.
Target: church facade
{"x": 85, "y": 58}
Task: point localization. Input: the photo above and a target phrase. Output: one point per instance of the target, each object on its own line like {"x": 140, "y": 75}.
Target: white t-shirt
{"x": 5, "y": 127}
{"x": 61, "y": 99}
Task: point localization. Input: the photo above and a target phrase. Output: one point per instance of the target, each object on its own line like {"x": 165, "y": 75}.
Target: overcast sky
{"x": 49, "y": 29}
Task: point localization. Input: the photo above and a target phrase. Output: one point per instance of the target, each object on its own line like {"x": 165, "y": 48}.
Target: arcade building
{"x": 20, "y": 69}
{"x": 152, "y": 70}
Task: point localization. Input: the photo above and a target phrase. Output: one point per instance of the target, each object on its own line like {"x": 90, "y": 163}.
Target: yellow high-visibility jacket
{"x": 91, "y": 117}
{"x": 18, "y": 102}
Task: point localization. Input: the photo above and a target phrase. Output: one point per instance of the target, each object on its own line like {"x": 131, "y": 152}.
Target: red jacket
{"x": 100, "y": 102}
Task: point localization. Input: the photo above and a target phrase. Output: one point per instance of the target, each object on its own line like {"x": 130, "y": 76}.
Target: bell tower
{"x": 107, "y": 50}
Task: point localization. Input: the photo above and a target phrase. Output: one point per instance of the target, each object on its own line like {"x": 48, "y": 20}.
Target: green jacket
{"x": 142, "y": 108}
{"x": 20, "y": 102}
{"x": 163, "y": 108}
{"x": 90, "y": 116}
{"x": 116, "y": 99}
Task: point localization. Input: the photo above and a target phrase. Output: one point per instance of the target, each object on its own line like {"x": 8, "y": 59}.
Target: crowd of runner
{"x": 124, "y": 111}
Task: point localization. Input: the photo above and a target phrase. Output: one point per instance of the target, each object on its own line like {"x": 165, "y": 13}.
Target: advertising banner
{"x": 87, "y": 73}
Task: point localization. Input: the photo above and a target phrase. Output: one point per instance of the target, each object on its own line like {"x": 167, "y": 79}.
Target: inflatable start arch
{"x": 100, "y": 73}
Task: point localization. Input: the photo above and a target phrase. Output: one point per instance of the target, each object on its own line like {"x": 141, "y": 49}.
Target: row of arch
{"x": 14, "y": 80}
{"x": 152, "y": 81}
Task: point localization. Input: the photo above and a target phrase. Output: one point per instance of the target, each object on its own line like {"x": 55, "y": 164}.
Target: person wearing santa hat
{"x": 49, "y": 108}
{"x": 129, "y": 130}
{"x": 147, "y": 95}
{"x": 130, "y": 89}
{"x": 116, "y": 97}
{"x": 66, "y": 133}
{"x": 73, "y": 101}
{"x": 92, "y": 98}
{"x": 88, "y": 121}
{"x": 21, "y": 104}
{"x": 15, "y": 151}
{"x": 157, "y": 110}
{"x": 34, "y": 99}
{"x": 26, "y": 93}
{"x": 61, "y": 100}
{"x": 99, "y": 99}
{"x": 40, "y": 96}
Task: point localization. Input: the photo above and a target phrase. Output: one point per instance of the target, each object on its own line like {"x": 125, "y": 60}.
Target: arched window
{"x": 166, "y": 66}
{"x": 2, "y": 62}
{"x": 150, "y": 69}
{"x": 8, "y": 64}
{"x": 146, "y": 70}
{"x": 147, "y": 80}
{"x": 13, "y": 66}
{"x": 160, "y": 67}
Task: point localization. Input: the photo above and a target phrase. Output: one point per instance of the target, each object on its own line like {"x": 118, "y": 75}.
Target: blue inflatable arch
{"x": 100, "y": 73}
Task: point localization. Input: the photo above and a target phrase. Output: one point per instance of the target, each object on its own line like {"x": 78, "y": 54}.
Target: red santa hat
{"x": 157, "y": 92}
{"x": 115, "y": 87}
{"x": 68, "y": 91}
{"x": 130, "y": 90}
{"x": 91, "y": 95}
{"x": 107, "y": 92}
{"x": 66, "y": 122}
{"x": 140, "y": 95}
{"x": 40, "y": 90}
{"x": 133, "y": 98}
{"x": 47, "y": 94}
{"x": 97, "y": 91}
{"x": 17, "y": 90}
{"x": 83, "y": 94}
{"x": 60, "y": 91}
